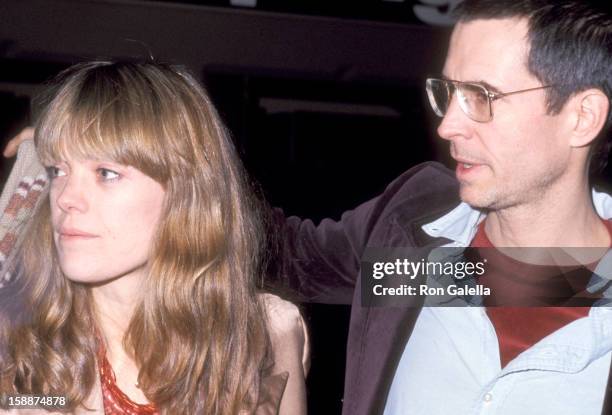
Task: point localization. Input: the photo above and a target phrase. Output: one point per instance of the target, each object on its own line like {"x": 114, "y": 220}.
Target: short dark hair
{"x": 570, "y": 48}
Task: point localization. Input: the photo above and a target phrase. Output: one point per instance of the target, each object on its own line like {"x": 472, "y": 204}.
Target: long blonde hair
{"x": 199, "y": 335}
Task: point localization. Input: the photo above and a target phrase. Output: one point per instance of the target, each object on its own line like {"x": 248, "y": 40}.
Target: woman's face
{"x": 104, "y": 217}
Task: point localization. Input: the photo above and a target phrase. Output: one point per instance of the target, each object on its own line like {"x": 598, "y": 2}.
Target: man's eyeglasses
{"x": 474, "y": 98}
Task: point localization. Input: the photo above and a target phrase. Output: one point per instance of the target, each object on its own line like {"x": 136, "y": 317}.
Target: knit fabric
{"x": 20, "y": 196}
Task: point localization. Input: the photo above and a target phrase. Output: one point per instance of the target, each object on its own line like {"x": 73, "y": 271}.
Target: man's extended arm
{"x": 321, "y": 262}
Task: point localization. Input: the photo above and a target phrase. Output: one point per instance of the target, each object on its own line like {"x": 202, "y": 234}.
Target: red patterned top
{"x": 115, "y": 401}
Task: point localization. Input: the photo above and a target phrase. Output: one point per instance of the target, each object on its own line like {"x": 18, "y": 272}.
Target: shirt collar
{"x": 571, "y": 348}
{"x": 461, "y": 223}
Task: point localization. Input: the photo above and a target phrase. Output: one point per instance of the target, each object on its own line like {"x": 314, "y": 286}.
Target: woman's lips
{"x": 74, "y": 234}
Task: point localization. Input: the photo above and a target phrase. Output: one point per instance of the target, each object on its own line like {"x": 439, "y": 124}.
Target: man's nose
{"x": 455, "y": 122}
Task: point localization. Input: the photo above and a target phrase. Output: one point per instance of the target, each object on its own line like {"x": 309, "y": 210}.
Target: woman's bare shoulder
{"x": 290, "y": 349}
{"x": 283, "y": 316}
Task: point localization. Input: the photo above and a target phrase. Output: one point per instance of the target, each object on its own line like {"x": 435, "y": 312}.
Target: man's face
{"x": 519, "y": 155}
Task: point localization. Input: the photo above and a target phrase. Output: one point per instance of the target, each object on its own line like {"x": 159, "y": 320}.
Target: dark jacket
{"x": 322, "y": 264}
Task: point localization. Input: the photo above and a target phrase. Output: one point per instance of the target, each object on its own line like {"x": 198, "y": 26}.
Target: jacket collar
{"x": 461, "y": 223}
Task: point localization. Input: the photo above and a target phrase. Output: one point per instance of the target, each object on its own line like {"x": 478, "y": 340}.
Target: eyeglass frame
{"x": 491, "y": 96}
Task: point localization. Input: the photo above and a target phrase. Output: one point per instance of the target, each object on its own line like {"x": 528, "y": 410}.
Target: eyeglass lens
{"x": 473, "y": 98}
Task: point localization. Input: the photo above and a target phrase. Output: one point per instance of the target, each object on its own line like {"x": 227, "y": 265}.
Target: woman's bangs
{"x": 85, "y": 126}
{"x": 78, "y": 137}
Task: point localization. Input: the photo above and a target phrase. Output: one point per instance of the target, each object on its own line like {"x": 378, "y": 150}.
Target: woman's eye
{"x": 108, "y": 175}
{"x": 54, "y": 171}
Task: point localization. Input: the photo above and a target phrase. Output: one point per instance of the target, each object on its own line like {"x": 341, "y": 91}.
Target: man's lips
{"x": 466, "y": 167}
{"x": 468, "y": 161}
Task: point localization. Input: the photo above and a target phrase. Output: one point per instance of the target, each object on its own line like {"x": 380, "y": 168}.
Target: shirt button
{"x": 487, "y": 397}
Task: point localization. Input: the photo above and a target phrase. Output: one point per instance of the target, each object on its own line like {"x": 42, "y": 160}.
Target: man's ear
{"x": 589, "y": 111}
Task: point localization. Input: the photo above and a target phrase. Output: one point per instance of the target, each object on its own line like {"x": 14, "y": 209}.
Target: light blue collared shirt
{"x": 451, "y": 363}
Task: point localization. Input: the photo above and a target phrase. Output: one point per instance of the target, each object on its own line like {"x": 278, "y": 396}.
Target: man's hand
{"x": 11, "y": 148}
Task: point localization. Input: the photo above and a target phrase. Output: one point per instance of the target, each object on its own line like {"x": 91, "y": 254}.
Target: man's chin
{"x": 476, "y": 198}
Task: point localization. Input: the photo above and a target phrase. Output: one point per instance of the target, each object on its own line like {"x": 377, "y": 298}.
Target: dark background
{"x": 325, "y": 99}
